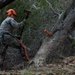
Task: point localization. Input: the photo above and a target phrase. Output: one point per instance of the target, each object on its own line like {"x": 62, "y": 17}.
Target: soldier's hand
{"x": 24, "y": 21}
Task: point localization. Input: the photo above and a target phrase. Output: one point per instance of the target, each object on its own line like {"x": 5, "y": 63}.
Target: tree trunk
{"x": 51, "y": 44}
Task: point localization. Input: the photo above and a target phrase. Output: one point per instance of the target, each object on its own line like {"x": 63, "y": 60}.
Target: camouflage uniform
{"x": 8, "y": 25}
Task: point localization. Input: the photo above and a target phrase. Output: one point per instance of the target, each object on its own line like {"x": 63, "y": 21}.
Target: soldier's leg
{"x": 12, "y": 42}
{"x": 16, "y": 44}
{"x": 1, "y": 62}
{"x": 2, "y": 55}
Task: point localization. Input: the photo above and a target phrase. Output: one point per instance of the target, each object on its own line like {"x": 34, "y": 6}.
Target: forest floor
{"x": 65, "y": 67}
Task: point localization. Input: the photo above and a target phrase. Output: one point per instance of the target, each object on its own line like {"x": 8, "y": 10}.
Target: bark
{"x": 51, "y": 44}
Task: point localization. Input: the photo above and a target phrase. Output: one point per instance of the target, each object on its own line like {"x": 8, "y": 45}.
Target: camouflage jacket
{"x": 9, "y": 24}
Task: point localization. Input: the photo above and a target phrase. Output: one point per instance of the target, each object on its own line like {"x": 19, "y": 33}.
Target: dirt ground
{"x": 65, "y": 67}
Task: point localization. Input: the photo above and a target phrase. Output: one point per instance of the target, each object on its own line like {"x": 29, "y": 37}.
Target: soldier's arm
{"x": 15, "y": 24}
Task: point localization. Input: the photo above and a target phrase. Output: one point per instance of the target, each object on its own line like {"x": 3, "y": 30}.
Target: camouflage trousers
{"x": 8, "y": 40}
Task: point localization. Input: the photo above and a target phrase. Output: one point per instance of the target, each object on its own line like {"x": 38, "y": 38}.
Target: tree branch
{"x": 50, "y": 5}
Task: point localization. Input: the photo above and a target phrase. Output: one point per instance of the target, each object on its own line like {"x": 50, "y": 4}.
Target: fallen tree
{"x": 52, "y": 47}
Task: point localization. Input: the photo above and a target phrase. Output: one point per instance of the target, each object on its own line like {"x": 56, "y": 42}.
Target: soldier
{"x": 6, "y": 32}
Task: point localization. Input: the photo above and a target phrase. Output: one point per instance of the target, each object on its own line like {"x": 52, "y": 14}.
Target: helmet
{"x": 11, "y": 12}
